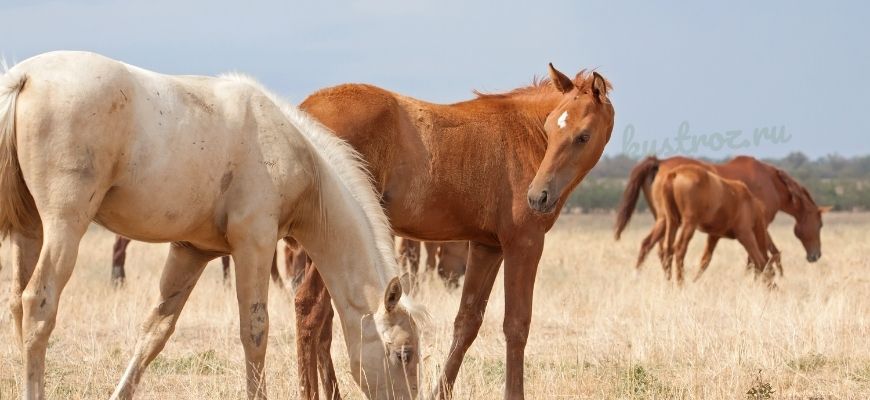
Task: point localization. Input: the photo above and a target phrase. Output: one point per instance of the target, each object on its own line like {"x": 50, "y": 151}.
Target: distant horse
{"x": 772, "y": 186}
{"x": 448, "y": 259}
{"x": 495, "y": 170}
{"x": 409, "y": 255}
{"x": 214, "y": 165}
{"x": 690, "y": 197}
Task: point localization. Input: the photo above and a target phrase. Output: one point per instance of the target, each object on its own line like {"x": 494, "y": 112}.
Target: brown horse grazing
{"x": 690, "y": 197}
{"x": 119, "y": 258}
{"x": 448, "y": 259}
{"x": 772, "y": 186}
{"x": 495, "y": 171}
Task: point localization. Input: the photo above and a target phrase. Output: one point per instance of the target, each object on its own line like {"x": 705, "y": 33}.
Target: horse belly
{"x": 163, "y": 215}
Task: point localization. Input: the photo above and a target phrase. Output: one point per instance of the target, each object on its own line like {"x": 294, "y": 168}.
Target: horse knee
{"x": 516, "y": 330}
{"x": 466, "y": 326}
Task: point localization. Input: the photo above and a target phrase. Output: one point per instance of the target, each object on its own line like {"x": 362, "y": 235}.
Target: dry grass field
{"x": 599, "y": 331}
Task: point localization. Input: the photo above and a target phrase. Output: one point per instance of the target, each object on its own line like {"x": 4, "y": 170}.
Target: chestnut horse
{"x": 85, "y": 138}
{"x": 495, "y": 170}
{"x": 690, "y": 197}
{"x": 772, "y": 186}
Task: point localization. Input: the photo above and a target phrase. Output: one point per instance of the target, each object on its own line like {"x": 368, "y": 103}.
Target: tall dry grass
{"x": 598, "y": 332}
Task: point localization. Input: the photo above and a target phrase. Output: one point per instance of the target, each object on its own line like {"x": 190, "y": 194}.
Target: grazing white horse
{"x": 215, "y": 166}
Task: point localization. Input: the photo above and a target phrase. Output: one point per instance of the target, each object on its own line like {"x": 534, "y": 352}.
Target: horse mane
{"x": 347, "y": 163}
{"x": 799, "y": 194}
{"x": 539, "y": 85}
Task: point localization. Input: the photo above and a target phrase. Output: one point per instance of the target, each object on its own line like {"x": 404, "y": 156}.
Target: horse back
{"x": 168, "y": 155}
{"x": 429, "y": 162}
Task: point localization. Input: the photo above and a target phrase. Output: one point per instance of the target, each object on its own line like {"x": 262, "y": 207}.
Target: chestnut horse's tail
{"x": 641, "y": 175}
{"x": 17, "y": 209}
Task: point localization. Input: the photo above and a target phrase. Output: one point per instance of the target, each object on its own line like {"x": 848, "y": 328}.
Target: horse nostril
{"x": 543, "y": 199}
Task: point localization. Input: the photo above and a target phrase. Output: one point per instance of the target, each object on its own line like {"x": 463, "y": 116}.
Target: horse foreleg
{"x": 521, "y": 265}
{"x": 483, "y": 265}
{"x": 253, "y": 245}
{"x": 775, "y": 254}
{"x": 182, "y": 270}
{"x": 311, "y": 300}
{"x": 750, "y": 242}
{"x": 324, "y": 354}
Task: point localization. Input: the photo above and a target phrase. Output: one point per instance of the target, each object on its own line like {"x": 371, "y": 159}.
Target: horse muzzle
{"x": 814, "y": 256}
{"x": 542, "y": 201}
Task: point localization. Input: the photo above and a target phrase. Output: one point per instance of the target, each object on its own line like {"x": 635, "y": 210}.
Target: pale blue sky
{"x": 736, "y": 66}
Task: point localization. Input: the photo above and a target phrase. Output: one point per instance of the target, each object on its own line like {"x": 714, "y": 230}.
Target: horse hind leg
{"x": 667, "y": 247}
{"x": 182, "y": 270}
{"x": 65, "y": 216}
{"x": 24, "y": 256}
{"x": 687, "y": 229}
{"x": 41, "y": 297}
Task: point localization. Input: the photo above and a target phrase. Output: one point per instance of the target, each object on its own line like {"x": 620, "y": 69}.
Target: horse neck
{"x": 524, "y": 116}
{"x": 339, "y": 237}
{"x": 786, "y": 204}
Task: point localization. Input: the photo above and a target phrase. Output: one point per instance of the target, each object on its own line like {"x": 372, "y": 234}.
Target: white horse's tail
{"x": 17, "y": 209}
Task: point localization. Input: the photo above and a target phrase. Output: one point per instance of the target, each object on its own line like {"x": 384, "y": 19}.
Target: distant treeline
{"x": 832, "y": 180}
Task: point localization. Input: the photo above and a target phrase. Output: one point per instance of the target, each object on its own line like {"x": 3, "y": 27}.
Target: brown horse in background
{"x": 448, "y": 259}
{"x": 690, "y": 197}
{"x": 409, "y": 255}
{"x": 495, "y": 171}
{"x": 772, "y": 186}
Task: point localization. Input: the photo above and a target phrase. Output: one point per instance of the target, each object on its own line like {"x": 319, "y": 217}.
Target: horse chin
{"x": 547, "y": 208}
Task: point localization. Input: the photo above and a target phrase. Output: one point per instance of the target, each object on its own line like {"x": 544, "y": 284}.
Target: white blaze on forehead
{"x": 562, "y": 121}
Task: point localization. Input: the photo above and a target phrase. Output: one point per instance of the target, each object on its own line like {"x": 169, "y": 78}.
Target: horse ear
{"x": 392, "y": 294}
{"x": 560, "y": 81}
{"x": 599, "y": 86}
{"x": 824, "y": 209}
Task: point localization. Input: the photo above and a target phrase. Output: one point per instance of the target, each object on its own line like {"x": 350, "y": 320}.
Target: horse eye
{"x": 405, "y": 354}
{"x": 581, "y": 138}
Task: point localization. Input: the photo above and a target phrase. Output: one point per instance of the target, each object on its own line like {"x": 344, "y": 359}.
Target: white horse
{"x": 215, "y": 166}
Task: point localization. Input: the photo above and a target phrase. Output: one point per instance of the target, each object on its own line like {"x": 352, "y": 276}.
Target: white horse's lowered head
{"x": 213, "y": 165}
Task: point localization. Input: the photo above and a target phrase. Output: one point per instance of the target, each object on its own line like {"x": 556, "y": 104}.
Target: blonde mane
{"x": 348, "y": 165}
